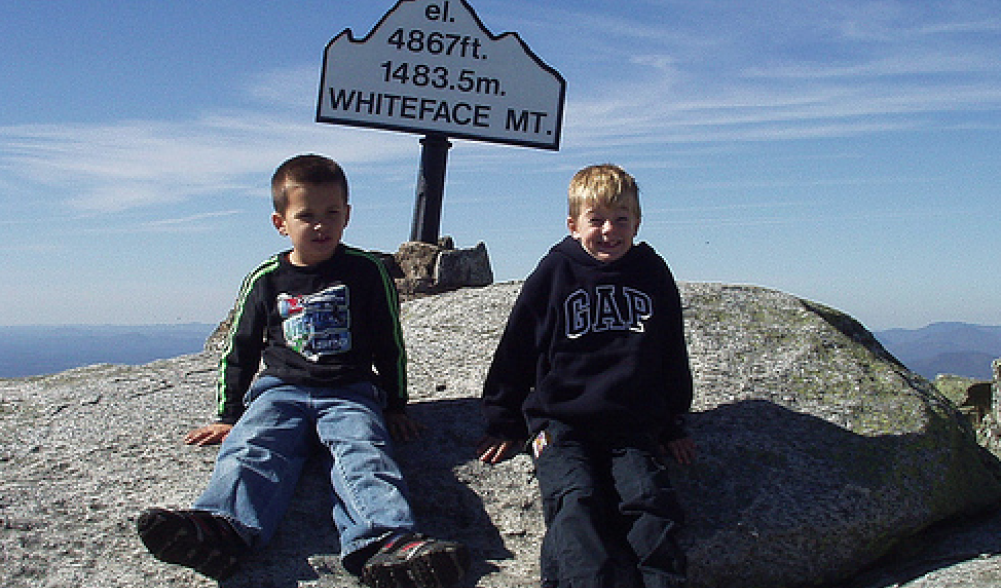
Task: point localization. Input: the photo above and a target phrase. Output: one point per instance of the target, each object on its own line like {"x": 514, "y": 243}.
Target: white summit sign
{"x": 431, "y": 67}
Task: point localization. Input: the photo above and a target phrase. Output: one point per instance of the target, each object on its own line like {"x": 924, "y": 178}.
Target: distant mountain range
{"x": 960, "y": 349}
{"x": 38, "y": 350}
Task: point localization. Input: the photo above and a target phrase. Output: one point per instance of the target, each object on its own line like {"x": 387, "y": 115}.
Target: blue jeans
{"x": 261, "y": 459}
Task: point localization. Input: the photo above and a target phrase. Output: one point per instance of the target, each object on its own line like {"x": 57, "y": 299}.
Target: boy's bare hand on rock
{"x": 402, "y": 427}
{"x": 682, "y": 450}
{"x": 493, "y": 450}
{"x": 208, "y": 435}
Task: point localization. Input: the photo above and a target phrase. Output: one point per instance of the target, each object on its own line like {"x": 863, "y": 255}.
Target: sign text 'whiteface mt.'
{"x": 432, "y": 67}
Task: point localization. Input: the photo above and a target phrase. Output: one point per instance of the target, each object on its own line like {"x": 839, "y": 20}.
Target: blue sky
{"x": 843, "y": 151}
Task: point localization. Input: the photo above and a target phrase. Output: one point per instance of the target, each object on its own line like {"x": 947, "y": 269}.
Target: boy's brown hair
{"x": 305, "y": 169}
{"x": 606, "y": 185}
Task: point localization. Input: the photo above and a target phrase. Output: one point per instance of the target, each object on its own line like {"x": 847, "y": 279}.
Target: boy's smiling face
{"x": 314, "y": 220}
{"x": 605, "y": 233}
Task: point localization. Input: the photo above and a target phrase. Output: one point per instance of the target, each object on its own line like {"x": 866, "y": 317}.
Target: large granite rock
{"x": 820, "y": 451}
{"x": 819, "y": 455}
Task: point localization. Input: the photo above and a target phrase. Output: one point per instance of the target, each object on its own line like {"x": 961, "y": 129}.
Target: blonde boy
{"x": 592, "y": 370}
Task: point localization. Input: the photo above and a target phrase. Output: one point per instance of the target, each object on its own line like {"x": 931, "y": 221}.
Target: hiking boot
{"x": 200, "y": 540}
{"x": 413, "y": 560}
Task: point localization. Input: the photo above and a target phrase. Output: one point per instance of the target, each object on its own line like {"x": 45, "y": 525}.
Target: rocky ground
{"x": 82, "y": 452}
{"x": 960, "y": 554}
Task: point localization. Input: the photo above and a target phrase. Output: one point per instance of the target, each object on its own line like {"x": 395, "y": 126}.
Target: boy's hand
{"x": 682, "y": 450}
{"x": 208, "y": 435}
{"x": 493, "y": 450}
{"x": 402, "y": 427}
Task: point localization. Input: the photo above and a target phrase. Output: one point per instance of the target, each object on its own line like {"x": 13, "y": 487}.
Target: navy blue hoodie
{"x": 592, "y": 344}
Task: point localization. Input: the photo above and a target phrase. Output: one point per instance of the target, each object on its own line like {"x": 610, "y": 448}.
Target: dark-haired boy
{"x": 325, "y": 319}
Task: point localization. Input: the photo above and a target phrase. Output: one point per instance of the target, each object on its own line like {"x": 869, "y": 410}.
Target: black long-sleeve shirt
{"x": 592, "y": 344}
{"x": 331, "y": 324}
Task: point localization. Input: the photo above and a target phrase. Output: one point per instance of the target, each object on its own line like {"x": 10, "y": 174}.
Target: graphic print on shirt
{"x": 317, "y": 325}
{"x": 608, "y": 308}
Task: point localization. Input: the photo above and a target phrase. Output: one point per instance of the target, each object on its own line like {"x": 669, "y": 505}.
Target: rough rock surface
{"x": 822, "y": 460}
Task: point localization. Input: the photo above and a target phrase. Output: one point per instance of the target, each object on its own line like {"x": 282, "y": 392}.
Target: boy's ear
{"x": 572, "y": 226}
{"x": 279, "y": 222}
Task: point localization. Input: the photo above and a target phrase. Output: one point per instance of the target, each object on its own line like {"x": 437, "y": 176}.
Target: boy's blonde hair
{"x": 603, "y": 185}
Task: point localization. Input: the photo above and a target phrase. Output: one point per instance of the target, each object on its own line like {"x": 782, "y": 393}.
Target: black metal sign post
{"x": 430, "y": 188}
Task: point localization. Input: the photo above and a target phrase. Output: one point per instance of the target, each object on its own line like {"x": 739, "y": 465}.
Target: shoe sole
{"x": 437, "y": 569}
{"x": 173, "y": 539}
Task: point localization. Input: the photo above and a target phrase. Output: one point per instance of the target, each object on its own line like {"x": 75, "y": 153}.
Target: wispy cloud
{"x": 666, "y": 74}
{"x": 117, "y": 166}
{"x": 192, "y": 219}
{"x": 826, "y": 70}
